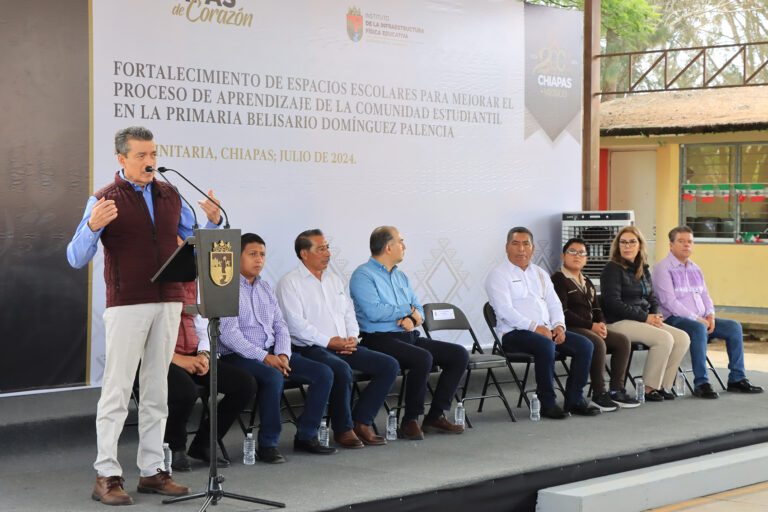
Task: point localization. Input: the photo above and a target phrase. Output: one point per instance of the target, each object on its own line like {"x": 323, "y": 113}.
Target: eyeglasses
{"x": 629, "y": 243}
{"x": 576, "y": 253}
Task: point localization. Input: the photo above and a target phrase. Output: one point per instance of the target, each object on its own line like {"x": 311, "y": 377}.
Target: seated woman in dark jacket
{"x": 584, "y": 316}
{"x": 631, "y": 308}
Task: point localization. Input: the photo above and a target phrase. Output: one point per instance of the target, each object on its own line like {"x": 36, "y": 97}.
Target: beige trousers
{"x": 668, "y": 346}
{"x": 145, "y": 332}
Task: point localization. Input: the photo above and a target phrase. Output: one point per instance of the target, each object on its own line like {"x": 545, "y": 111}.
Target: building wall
{"x": 735, "y": 273}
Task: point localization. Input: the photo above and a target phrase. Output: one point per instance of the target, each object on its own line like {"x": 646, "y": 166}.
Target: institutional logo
{"x": 222, "y": 259}
{"x": 354, "y": 24}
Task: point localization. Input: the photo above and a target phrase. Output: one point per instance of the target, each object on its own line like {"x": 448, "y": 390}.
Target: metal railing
{"x": 747, "y": 76}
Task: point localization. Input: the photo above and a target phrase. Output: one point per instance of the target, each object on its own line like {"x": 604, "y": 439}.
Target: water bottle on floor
{"x": 459, "y": 414}
{"x": 168, "y": 458}
{"x": 391, "y": 426}
{"x": 249, "y": 450}
{"x": 322, "y": 434}
{"x": 535, "y": 408}
{"x": 680, "y": 384}
{"x": 640, "y": 390}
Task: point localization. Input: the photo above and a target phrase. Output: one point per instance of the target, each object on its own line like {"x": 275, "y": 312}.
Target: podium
{"x": 213, "y": 257}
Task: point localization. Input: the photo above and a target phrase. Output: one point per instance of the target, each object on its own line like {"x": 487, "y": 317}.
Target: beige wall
{"x": 735, "y": 273}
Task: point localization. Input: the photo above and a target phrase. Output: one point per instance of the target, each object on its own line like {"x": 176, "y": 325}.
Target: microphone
{"x": 151, "y": 169}
{"x": 163, "y": 170}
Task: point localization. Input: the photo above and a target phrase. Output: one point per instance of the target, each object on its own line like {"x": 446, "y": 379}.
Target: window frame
{"x": 737, "y": 174}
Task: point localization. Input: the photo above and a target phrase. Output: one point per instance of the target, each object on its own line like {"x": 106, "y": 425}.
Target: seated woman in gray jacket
{"x": 631, "y": 308}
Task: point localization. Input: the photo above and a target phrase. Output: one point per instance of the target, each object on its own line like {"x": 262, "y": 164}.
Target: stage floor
{"x": 46, "y": 455}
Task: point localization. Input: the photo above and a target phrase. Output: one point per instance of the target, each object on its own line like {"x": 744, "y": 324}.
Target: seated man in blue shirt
{"x": 258, "y": 341}
{"x": 388, "y": 313}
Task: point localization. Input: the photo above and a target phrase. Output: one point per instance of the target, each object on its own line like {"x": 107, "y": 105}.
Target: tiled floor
{"x": 753, "y": 498}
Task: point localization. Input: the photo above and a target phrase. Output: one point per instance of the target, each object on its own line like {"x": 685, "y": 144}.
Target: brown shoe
{"x": 109, "y": 490}
{"x": 348, "y": 439}
{"x": 441, "y": 426}
{"x": 162, "y": 483}
{"x": 367, "y": 436}
{"x": 410, "y": 430}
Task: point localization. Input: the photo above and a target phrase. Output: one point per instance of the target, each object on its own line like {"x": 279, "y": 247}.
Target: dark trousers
{"x": 237, "y": 386}
{"x": 543, "y": 349}
{"x": 380, "y": 367}
{"x": 317, "y": 376}
{"x": 418, "y": 355}
{"x": 616, "y": 344}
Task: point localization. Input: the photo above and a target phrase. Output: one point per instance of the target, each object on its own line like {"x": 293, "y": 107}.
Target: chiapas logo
{"x": 220, "y": 12}
{"x": 354, "y": 24}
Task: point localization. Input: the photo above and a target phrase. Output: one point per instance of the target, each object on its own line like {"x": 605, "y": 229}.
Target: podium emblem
{"x": 222, "y": 259}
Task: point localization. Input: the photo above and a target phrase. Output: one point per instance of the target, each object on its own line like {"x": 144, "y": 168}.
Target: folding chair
{"x": 287, "y": 406}
{"x": 710, "y": 367}
{"x": 442, "y": 316}
{"x": 637, "y": 346}
{"x": 518, "y": 357}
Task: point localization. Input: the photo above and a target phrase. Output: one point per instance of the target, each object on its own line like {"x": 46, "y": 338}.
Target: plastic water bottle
{"x": 249, "y": 450}
{"x": 167, "y": 458}
{"x": 322, "y": 434}
{"x": 459, "y": 414}
{"x": 535, "y": 408}
{"x": 640, "y": 390}
{"x": 391, "y": 426}
{"x": 680, "y": 384}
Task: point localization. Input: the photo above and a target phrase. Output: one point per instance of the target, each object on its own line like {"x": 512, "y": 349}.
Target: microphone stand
{"x": 215, "y": 492}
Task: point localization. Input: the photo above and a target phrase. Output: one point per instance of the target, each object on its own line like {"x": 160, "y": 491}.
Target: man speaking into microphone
{"x": 137, "y": 220}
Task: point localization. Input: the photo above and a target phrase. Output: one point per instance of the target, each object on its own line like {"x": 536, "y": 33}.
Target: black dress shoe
{"x": 654, "y": 396}
{"x": 312, "y": 446}
{"x": 705, "y": 391}
{"x": 582, "y": 409}
{"x": 203, "y": 453}
{"x": 743, "y": 386}
{"x": 180, "y": 462}
{"x": 667, "y": 395}
{"x": 270, "y": 455}
{"x": 554, "y": 413}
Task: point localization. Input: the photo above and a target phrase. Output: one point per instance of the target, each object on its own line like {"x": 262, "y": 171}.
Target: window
{"x": 723, "y": 191}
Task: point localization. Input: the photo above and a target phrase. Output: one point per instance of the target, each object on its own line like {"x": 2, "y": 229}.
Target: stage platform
{"x": 47, "y": 446}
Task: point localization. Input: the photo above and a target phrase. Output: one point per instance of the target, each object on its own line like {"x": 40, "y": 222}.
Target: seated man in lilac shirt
{"x": 685, "y": 304}
{"x": 258, "y": 341}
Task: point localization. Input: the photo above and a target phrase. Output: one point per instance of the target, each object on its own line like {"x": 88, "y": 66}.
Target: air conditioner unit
{"x": 598, "y": 229}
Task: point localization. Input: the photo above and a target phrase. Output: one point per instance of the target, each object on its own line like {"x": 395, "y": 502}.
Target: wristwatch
{"x": 205, "y": 353}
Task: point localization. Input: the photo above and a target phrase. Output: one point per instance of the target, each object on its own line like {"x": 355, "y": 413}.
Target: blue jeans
{"x": 380, "y": 367}
{"x": 270, "y": 388}
{"x": 543, "y": 350}
{"x": 729, "y": 330}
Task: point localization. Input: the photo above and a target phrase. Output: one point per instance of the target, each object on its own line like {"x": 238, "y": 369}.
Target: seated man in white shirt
{"x": 530, "y": 319}
{"x": 321, "y": 321}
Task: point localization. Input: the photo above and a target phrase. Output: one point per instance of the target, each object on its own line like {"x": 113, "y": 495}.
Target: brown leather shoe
{"x": 367, "y": 436}
{"x": 410, "y": 430}
{"x": 348, "y": 439}
{"x": 441, "y": 426}
{"x": 109, "y": 490}
{"x": 162, "y": 483}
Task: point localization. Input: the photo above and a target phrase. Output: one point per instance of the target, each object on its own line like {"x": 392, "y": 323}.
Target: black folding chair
{"x": 710, "y": 367}
{"x": 519, "y": 357}
{"x": 443, "y": 316}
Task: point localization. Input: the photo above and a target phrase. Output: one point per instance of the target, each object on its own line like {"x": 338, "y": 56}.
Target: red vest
{"x": 186, "y": 344}
{"x": 135, "y": 248}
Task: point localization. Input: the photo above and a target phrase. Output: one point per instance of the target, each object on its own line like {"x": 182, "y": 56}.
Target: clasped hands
{"x": 557, "y": 334}
{"x": 412, "y": 321}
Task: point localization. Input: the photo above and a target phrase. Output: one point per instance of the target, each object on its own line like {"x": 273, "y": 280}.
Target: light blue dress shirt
{"x": 381, "y": 297}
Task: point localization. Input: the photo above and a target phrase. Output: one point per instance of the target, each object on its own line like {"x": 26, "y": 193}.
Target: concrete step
{"x": 657, "y": 486}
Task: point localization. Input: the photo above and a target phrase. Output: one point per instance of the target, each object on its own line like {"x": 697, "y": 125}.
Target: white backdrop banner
{"x": 303, "y": 114}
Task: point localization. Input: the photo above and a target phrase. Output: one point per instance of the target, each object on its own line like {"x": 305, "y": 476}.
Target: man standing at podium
{"x": 137, "y": 220}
